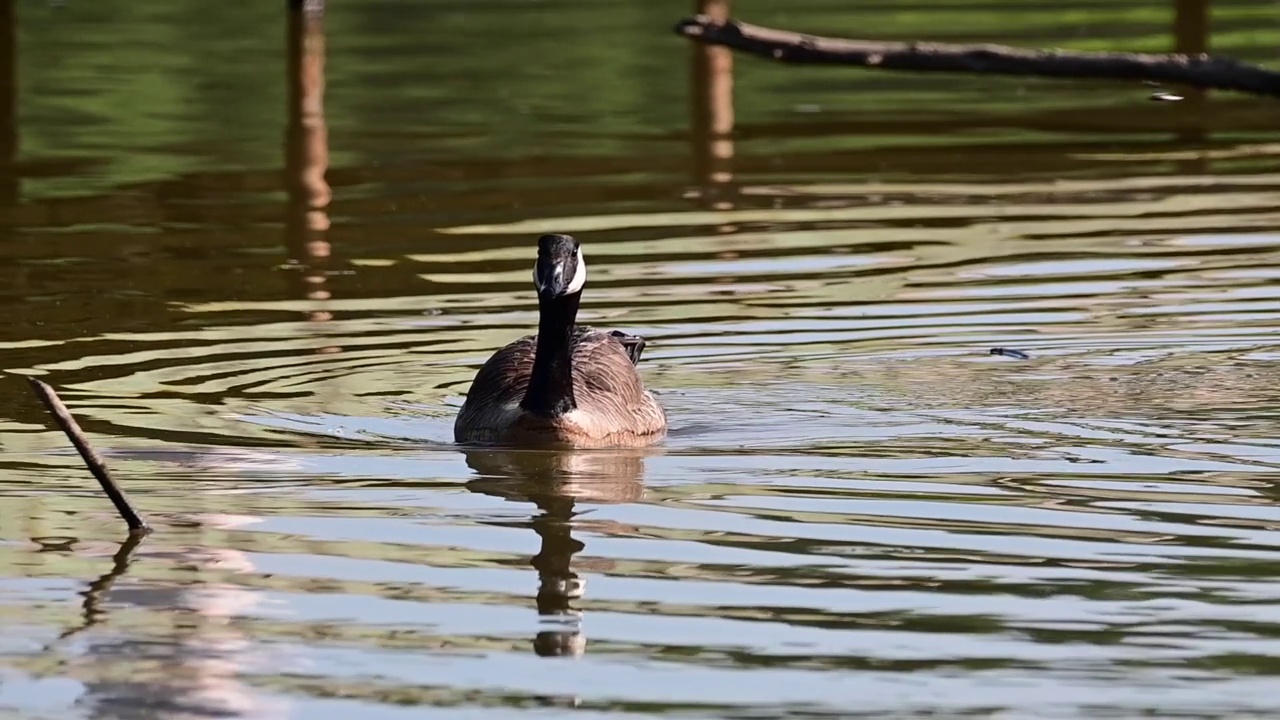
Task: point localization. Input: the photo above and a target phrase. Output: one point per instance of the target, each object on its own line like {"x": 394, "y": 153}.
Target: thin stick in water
{"x": 62, "y": 416}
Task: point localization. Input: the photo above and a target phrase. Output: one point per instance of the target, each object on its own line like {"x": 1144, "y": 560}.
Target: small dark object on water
{"x": 1010, "y": 353}
{"x": 68, "y": 425}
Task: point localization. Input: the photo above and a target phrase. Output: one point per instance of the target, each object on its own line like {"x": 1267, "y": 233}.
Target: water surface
{"x": 859, "y": 511}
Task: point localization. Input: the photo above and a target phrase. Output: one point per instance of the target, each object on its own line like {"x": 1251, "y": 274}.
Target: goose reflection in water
{"x": 558, "y": 482}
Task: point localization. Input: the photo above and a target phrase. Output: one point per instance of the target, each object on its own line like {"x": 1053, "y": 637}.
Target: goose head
{"x": 560, "y": 269}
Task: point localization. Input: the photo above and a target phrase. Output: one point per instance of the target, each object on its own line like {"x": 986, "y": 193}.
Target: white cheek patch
{"x": 579, "y": 275}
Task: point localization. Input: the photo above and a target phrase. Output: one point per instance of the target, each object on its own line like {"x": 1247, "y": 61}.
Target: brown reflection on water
{"x": 1191, "y": 37}
{"x": 9, "y": 184}
{"x": 711, "y": 115}
{"x": 1191, "y": 26}
{"x": 558, "y": 482}
{"x": 307, "y": 160}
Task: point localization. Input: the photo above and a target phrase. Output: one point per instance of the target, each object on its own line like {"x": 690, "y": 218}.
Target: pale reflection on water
{"x": 858, "y": 512}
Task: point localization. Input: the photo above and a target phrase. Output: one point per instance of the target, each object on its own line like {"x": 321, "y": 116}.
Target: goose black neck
{"x": 550, "y": 391}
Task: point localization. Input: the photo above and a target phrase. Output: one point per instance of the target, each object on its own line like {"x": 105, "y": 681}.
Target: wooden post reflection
{"x": 307, "y": 157}
{"x": 711, "y": 121}
{"x": 9, "y": 185}
{"x": 1191, "y": 26}
{"x": 1191, "y": 37}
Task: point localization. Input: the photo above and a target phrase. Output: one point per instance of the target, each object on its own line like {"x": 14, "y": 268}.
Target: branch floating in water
{"x": 62, "y": 416}
{"x": 1200, "y": 71}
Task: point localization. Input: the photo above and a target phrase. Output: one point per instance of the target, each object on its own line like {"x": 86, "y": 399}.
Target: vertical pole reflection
{"x": 711, "y": 114}
{"x": 307, "y": 156}
{"x": 1191, "y": 26}
{"x": 1191, "y": 37}
{"x": 9, "y": 185}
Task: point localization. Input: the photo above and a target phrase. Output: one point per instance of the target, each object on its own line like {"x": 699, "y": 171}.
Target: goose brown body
{"x": 566, "y": 386}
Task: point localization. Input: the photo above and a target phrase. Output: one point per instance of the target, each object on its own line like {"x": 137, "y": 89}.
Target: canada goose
{"x": 567, "y": 385}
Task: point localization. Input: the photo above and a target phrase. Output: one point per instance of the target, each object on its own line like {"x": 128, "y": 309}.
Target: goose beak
{"x": 560, "y": 269}
{"x": 551, "y": 279}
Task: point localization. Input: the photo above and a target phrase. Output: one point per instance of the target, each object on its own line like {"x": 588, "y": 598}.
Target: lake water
{"x": 859, "y": 511}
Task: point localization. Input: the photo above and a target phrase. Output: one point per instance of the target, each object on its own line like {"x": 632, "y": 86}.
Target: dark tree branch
{"x": 1196, "y": 71}
{"x": 62, "y": 416}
